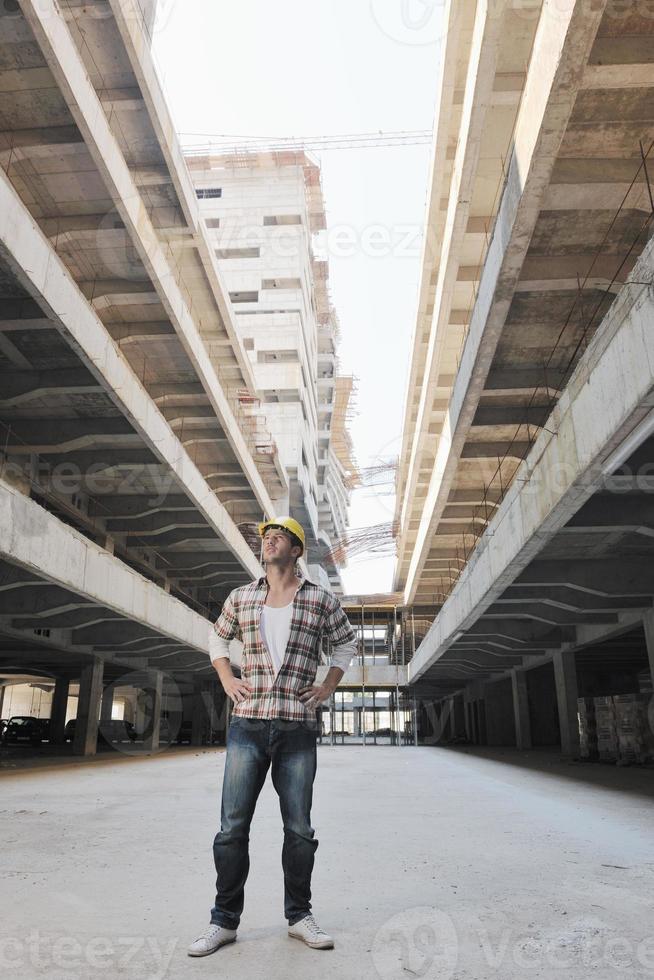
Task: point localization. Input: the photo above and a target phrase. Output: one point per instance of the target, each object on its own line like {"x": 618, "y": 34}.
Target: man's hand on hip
{"x": 236, "y": 689}
{"x": 313, "y": 695}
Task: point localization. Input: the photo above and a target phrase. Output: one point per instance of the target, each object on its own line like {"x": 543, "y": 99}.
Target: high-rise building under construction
{"x": 261, "y": 212}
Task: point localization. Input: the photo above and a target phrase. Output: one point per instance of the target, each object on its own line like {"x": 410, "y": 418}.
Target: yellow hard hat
{"x": 289, "y": 524}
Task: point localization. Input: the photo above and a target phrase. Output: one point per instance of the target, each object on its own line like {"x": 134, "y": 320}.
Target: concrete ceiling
{"x": 591, "y": 224}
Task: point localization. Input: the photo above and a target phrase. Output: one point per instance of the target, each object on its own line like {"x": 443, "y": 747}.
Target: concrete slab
{"x": 467, "y": 864}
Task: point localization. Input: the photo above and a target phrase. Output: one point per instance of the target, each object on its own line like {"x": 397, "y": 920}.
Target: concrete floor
{"x": 432, "y": 862}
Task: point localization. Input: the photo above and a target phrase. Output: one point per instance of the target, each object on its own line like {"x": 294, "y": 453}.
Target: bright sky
{"x": 292, "y": 68}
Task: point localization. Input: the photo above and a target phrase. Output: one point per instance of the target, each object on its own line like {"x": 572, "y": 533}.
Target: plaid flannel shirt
{"x": 316, "y": 613}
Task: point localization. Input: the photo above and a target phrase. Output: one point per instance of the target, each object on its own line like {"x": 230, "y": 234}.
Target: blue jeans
{"x": 253, "y": 745}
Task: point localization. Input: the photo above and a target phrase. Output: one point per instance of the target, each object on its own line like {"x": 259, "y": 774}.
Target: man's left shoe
{"x": 308, "y": 930}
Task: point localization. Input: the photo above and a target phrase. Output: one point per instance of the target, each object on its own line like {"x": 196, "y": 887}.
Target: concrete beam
{"x": 126, "y": 507}
{"x": 482, "y": 67}
{"x": 514, "y": 379}
{"x": 545, "y": 611}
{"x": 453, "y": 50}
{"x": 66, "y": 223}
{"x": 622, "y": 76}
{"x": 614, "y": 510}
{"x": 52, "y": 435}
{"x": 55, "y": 552}
{"x": 571, "y": 599}
{"x": 509, "y": 449}
{"x": 156, "y": 523}
{"x": 31, "y": 601}
{"x": 11, "y": 353}
{"x": 26, "y": 386}
{"x": 20, "y": 141}
{"x": 566, "y": 463}
{"x": 23, "y": 324}
{"x": 491, "y": 415}
{"x": 520, "y": 629}
{"x": 371, "y": 676}
{"x": 82, "y": 616}
{"x": 90, "y": 461}
{"x": 597, "y": 197}
{"x": 596, "y": 576}
{"x": 561, "y": 48}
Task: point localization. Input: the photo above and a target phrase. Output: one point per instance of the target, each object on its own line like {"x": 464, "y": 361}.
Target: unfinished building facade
{"x": 525, "y": 488}
{"x": 261, "y": 213}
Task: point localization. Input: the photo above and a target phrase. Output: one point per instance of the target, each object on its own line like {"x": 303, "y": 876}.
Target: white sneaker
{"x": 212, "y": 939}
{"x": 308, "y": 930}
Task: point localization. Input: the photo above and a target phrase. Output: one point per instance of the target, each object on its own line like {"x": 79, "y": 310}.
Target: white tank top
{"x": 275, "y": 626}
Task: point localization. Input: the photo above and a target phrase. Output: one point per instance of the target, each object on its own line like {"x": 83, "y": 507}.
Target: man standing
{"x": 280, "y": 618}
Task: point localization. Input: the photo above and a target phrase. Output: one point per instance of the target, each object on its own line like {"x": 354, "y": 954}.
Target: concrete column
{"x": 130, "y": 712}
{"x": 481, "y": 715}
{"x": 107, "y": 703}
{"x": 88, "y": 709}
{"x": 648, "y": 624}
{"x": 451, "y": 719}
{"x": 197, "y": 717}
{"x": 151, "y": 743}
{"x": 58, "y": 711}
{"x": 468, "y": 723}
{"x": 446, "y": 719}
{"x": 565, "y": 679}
{"x": 459, "y": 717}
{"x": 521, "y": 709}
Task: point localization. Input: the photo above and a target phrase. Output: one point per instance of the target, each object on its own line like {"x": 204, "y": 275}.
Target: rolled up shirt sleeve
{"x": 341, "y": 655}
{"x": 338, "y": 630}
{"x": 218, "y": 646}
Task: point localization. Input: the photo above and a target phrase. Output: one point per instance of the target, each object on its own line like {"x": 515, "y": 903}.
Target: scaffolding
{"x": 371, "y": 713}
{"x": 340, "y": 438}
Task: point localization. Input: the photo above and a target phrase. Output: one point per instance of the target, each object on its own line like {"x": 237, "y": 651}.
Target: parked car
{"x": 25, "y": 729}
{"x": 109, "y": 732}
{"x": 116, "y": 730}
{"x": 382, "y": 732}
{"x": 184, "y": 733}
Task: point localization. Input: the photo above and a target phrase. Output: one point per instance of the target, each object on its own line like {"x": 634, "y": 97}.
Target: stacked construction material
{"x": 634, "y": 733}
{"x": 587, "y": 728}
{"x": 607, "y": 736}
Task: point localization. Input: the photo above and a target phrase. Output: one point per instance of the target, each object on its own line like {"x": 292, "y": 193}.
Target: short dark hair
{"x": 295, "y": 541}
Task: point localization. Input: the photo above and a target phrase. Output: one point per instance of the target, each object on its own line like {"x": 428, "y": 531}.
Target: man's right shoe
{"x": 212, "y": 939}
